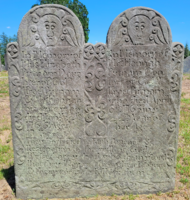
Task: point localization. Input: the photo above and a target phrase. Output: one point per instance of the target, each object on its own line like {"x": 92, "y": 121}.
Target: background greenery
{"x": 76, "y": 6}
{"x": 4, "y": 40}
{"x": 187, "y": 52}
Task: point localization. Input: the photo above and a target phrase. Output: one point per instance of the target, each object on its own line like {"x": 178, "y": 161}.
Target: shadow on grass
{"x": 9, "y": 175}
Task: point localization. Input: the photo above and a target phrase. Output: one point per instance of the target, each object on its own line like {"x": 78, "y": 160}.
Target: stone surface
{"x": 186, "y": 68}
{"x": 0, "y": 64}
{"x": 6, "y": 65}
{"x": 3, "y": 68}
{"x": 94, "y": 119}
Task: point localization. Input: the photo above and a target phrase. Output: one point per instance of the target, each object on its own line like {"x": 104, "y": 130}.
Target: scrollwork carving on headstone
{"x": 90, "y": 119}
{"x": 175, "y": 81}
{"x": 21, "y": 157}
{"x": 95, "y": 114}
{"x": 15, "y": 89}
{"x": 171, "y": 123}
{"x": 12, "y": 49}
{"x": 100, "y": 50}
{"x": 177, "y": 55}
{"x": 95, "y": 110}
{"x": 18, "y": 121}
{"x": 95, "y": 77}
{"x": 170, "y": 156}
{"x": 89, "y": 51}
{"x": 16, "y": 85}
{"x": 178, "y": 50}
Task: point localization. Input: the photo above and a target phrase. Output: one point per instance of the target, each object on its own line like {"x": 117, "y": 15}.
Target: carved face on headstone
{"x": 50, "y": 28}
{"x": 139, "y": 29}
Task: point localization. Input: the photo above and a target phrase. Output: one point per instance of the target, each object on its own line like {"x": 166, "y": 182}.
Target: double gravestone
{"x": 94, "y": 119}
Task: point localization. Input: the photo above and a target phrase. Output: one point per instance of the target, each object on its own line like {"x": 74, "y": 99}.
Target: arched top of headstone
{"x": 139, "y": 26}
{"x": 50, "y": 26}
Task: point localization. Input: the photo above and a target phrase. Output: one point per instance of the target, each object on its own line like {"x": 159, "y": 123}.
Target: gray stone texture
{"x": 3, "y": 67}
{"x": 6, "y": 65}
{"x": 94, "y": 119}
{"x": 0, "y": 64}
{"x": 186, "y": 68}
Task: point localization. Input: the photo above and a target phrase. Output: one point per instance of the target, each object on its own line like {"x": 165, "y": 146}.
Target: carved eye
{"x": 52, "y": 27}
{"x": 47, "y": 26}
{"x": 142, "y": 27}
{"x": 137, "y": 27}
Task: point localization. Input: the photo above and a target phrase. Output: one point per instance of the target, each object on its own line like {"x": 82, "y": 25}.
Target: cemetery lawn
{"x": 182, "y": 189}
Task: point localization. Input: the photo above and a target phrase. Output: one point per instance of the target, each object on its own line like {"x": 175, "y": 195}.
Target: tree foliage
{"x": 77, "y": 7}
{"x": 186, "y": 52}
{"x": 4, "y": 40}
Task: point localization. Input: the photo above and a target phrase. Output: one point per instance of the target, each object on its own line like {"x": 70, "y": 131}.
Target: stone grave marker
{"x": 186, "y": 68}
{"x": 94, "y": 119}
{"x": 1, "y": 69}
{"x": 143, "y": 91}
{"x": 5, "y": 58}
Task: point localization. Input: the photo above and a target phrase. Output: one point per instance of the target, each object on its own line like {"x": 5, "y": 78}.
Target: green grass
{"x": 184, "y": 180}
{"x": 5, "y": 127}
{"x": 132, "y": 197}
{"x": 4, "y": 74}
{"x": 4, "y": 86}
{"x": 6, "y": 153}
{"x": 4, "y": 90}
{"x": 186, "y": 76}
{"x": 183, "y": 155}
{"x": 187, "y": 101}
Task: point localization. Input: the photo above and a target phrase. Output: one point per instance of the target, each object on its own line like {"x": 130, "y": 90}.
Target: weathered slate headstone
{"x": 46, "y": 85}
{"x": 0, "y": 64}
{"x": 186, "y": 68}
{"x": 6, "y": 65}
{"x": 94, "y": 119}
{"x": 3, "y": 67}
{"x": 144, "y": 87}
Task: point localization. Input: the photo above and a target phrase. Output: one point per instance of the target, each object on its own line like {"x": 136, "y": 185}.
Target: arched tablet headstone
{"x": 94, "y": 119}
{"x": 46, "y": 90}
{"x": 5, "y": 59}
{"x": 144, "y": 87}
{"x": 186, "y": 69}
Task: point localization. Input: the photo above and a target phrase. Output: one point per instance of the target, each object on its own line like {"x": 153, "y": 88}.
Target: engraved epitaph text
{"x": 94, "y": 119}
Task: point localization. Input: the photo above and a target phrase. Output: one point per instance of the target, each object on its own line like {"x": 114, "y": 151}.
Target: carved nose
{"x": 50, "y": 33}
{"x": 139, "y": 35}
